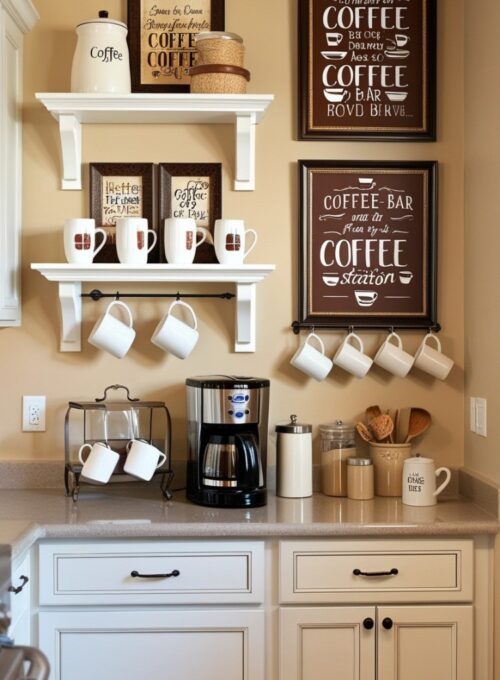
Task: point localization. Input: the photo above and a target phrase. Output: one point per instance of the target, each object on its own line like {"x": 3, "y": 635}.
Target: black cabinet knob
{"x": 368, "y": 623}
{"x": 387, "y": 623}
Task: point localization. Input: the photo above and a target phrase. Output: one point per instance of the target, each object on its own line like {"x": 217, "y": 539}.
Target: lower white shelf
{"x": 71, "y": 276}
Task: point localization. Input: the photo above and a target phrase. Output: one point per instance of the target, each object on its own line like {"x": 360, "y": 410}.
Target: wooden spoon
{"x": 365, "y": 433}
{"x": 382, "y": 427}
{"x": 372, "y": 412}
{"x": 403, "y": 425}
{"x": 420, "y": 421}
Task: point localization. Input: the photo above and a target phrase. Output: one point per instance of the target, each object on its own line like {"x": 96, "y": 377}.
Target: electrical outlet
{"x": 34, "y": 414}
{"x": 472, "y": 414}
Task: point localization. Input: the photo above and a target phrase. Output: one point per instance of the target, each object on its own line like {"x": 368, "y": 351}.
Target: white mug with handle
{"x": 174, "y": 335}
{"x": 80, "y": 240}
{"x": 352, "y": 359}
{"x": 230, "y": 239}
{"x": 132, "y": 236}
{"x": 431, "y": 360}
{"x": 99, "y": 464}
{"x": 143, "y": 459}
{"x": 112, "y": 335}
{"x": 181, "y": 239}
{"x": 419, "y": 481}
{"x": 312, "y": 361}
{"x": 392, "y": 356}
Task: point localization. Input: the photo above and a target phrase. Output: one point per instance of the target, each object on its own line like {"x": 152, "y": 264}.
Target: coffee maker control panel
{"x": 230, "y": 406}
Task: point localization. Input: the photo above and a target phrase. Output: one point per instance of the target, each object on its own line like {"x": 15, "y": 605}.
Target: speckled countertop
{"x": 133, "y": 511}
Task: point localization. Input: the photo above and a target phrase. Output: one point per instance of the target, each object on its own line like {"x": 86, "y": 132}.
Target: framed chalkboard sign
{"x": 367, "y": 69}
{"x": 367, "y": 248}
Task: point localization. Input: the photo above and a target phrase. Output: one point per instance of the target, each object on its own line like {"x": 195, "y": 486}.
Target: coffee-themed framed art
{"x": 367, "y": 69}
{"x": 121, "y": 190}
{"x": 192, "y": 191}
{"x": 161, "y": 38}
{"x": 367, "y": 248}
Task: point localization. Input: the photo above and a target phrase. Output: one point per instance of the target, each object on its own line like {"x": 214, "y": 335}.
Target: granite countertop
{"x": 135, "y": 511}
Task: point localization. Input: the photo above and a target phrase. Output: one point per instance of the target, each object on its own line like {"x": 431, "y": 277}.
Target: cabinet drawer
{"x": 398, "y": 570}
{"x": 101, "y": 572}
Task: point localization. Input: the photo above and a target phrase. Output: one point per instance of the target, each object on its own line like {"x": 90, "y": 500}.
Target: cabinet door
{"x": 319, "y": 643}
{"x": 185, "y": 645}
{"x": 435, "y": 643}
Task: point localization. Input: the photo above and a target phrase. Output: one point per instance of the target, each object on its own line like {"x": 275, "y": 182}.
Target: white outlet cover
{"x": 472, "y": 414}
{"x": 481, "y": 417}
{"x": 30, "y": 404}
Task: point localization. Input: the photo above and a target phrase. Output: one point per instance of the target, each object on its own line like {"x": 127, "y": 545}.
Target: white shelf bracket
{"x": 71, "y": 316}
{"x": 245, "y": 317}
{"x": 71, "y": 148}
{"x": 245, "y": 152}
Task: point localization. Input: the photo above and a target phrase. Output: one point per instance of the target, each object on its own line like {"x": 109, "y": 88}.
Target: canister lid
{"x": 338, "y": 427}
{"x": 103, "y": 19}
{"x": 418, "y": 458}
{"x": 223, "y": 35}
{"x": 293, "y": 427}
{"x": 359, "y": 461}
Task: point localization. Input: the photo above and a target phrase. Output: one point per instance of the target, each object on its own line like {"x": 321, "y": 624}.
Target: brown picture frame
{"x": 367, "y": 244}
{"x": 188, "y": 204}
{"x": 360, "y": 79}
{"x": 100, "y": 201}
{"x": 169, "y": 62}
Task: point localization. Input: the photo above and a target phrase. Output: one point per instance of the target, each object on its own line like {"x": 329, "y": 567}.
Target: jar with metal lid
{"x": 360, "y": 478}
{"x": 294, "y": 459}
{"x": 338, "y": 443}
{"x": 219, "y": 47}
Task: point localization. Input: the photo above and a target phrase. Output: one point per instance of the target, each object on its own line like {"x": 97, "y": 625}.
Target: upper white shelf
{"x": 71, "y": 110}
{"x": 71, "y": 276}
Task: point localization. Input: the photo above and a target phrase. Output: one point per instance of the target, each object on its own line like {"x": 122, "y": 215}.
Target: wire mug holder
{"x": 115, "y": 422}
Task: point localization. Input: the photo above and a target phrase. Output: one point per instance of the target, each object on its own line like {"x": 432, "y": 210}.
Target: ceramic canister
{"x": 294, "y": 459}
{"x": 101, "y": 59}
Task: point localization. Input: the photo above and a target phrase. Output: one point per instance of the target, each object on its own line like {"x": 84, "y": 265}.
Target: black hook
{"x": 350, "y": 329}
{"x": 117, "y": 296}
{"x": 391, "y": 330}
{"x": 178, "y": 296}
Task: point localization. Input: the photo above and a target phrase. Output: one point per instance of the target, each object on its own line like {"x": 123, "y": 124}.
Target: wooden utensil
{"x": 392, "y": 413}
{"x": 420, "y": 421}
{"x": 365, "y": 433}
{"x": 402, "y": 425}
{"x": 372, "y": 412}
{"x": 382, "y": 427}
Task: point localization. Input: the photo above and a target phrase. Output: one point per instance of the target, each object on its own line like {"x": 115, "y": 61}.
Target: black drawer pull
{"x": 17, "y": 590}
{"x": 392, "y": 572}
{"x": 135, "y": 574}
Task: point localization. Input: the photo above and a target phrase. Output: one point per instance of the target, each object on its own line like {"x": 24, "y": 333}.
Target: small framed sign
{"x": 161, "y": 40}
{"x": 120, "y": 190}
{"x": 192, "y": 190}
{"x": 367, "y": 69}
{"x": 368, "y": 244}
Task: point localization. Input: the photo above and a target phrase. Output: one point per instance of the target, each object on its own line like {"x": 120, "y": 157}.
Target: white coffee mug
{"x": 100, "y": 463}
{"x": 312, "y": 361}
{"x": 353, "y": 360}
{"x": 419, "y": 481}
{"x": 393, "y": 358}
{"x": 180, "y": 239}
{"x": 132, "y": 236}
{"x": 143, "y": 459}
{"x": 80, "y": 240}
{"x": 176, "y": 336}
{"x": 111, "y": 334}
{"x": 432, "y": 360}
{"x": 230, "y": 239}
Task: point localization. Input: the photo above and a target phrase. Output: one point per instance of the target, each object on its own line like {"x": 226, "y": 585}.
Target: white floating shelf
{"x": 71, "y": 276}
{"x": 71, "y": 110}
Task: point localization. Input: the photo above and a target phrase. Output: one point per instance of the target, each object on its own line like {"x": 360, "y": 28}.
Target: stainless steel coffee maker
{"x": 227, "y": 440}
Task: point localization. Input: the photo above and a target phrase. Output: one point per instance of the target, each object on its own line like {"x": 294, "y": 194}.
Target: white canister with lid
{"x": 294, "y": 459}
{"x": 101, "y": 59}
{"x": 419, "y": 481}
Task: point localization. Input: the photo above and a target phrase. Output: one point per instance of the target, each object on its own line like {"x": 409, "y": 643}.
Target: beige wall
{"x": 29, "y": 356}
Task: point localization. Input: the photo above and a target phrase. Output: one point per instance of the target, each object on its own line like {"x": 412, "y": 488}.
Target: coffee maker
{"x": 227, "y": 440}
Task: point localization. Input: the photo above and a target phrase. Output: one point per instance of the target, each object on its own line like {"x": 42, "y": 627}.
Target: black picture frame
{"x": 169, "y": 56}
{"x": 353, "y": 215}
{"x": 102, "y": 201}
{"x": 335, "y": 101}
{"x": 204, "y": 209}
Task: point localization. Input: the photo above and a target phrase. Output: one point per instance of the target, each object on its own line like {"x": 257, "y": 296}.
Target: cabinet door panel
{"x": 324, "y": 643}
{"x": 435, "y": 643}
{"x": 187, "y": 645}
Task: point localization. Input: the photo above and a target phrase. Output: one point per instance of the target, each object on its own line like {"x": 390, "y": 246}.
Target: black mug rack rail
{"x": 297, "y": 326}
{"x": 96, "y": 295}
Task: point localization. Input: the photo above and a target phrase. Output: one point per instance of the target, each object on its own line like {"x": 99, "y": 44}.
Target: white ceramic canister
{"x": 101, "y": 60}
{"x": 294, "y": 459}
{"x": 419, "y": 481}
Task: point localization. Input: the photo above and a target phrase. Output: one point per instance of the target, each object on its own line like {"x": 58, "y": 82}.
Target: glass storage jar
{"x": 337, "y": 445}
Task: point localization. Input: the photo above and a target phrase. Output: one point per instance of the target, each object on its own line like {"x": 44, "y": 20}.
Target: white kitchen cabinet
{"x": 16, "y": 18}
{"x": 185, "y": 645}
{"x": 20, "y": 599}
{"x": 431, "y": 642}
{"x": 371, "y": 639}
